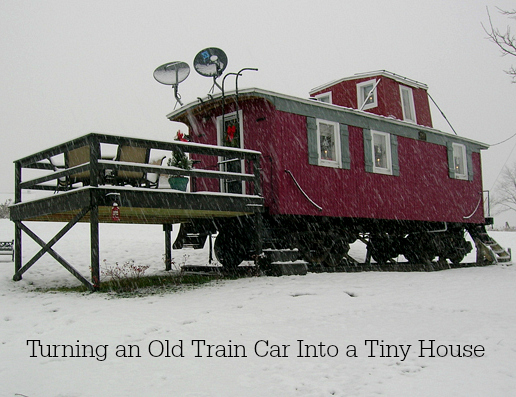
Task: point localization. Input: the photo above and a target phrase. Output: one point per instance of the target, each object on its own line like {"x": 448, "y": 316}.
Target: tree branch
{"x": 505, "y": 41}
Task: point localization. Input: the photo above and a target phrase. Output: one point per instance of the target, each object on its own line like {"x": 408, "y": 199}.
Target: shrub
{"x": 4, "y": 209}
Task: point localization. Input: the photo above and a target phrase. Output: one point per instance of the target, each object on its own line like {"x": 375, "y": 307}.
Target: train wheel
{"x": 456, "y": 247}
{"x": 382, "y": 248}
{"x": 231, "y": 247}
{"x": 337, "y": 252}
{"x": 419, "y": 249}
{"x": 321, "y": 248}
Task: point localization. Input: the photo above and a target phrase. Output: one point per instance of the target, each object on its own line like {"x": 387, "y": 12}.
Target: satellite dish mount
{"x": 173, "y": 73}
{"x": 211, "y": 62}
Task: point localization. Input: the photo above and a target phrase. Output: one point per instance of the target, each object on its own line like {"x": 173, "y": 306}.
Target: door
{"x": 230, "y": 134}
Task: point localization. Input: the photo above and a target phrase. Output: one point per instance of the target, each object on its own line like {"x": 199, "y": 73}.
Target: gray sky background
{"x": 72, "y": 67}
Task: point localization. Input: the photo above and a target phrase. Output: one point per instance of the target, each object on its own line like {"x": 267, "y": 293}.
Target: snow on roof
{"x": 276, "y": 98}
{"x": 385, "y": 73}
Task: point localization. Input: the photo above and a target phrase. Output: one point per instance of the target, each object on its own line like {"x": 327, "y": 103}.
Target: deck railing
{"x": 99, "y": 166}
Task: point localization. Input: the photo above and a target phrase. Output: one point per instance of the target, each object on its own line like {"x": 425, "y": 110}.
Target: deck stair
{"x": 191, "y": 237}
{"x": 194, "y": 240}
{"x": 488, "y": 250}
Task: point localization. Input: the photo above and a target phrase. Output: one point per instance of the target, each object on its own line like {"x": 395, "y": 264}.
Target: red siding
{"x": 423, "y": 190}
{"x": 389, "y": 98}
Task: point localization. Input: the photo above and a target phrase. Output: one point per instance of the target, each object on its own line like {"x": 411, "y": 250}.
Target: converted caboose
{"x": 278, "y": 179}
{"x": 359, "y": 159}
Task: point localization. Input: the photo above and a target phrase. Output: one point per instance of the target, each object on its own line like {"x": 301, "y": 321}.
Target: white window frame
{"x": 459, "y": 152}
{"x": 325, "y": 97}
{"x": 227, "y": 116}
{"x": 361, "y": 95}
{"x": 412, "y": 108}
{"x": 382, "y": 170}
{"x": 336, "y": 130}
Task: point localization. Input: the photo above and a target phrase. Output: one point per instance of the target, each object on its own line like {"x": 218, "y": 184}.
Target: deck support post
{"x": 210, "y": 255}
{"x": 17, "y": 251}
{"x": 94, "y": 241}
{"x": 259, "y": 229}
{"x": 48, "y": 248}
{"x": 17, "y": 228}
{"x": 167, "y": 228}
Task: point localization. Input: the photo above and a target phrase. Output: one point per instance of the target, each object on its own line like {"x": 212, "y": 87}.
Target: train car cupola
{"x": 382, "y": 93}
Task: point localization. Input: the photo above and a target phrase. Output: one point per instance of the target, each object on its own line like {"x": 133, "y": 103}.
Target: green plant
{"x": 179, "y": 159}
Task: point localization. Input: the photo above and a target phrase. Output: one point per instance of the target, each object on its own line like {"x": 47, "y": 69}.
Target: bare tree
{"x": 504, "y": 39}
{"x": 505, "y": 191}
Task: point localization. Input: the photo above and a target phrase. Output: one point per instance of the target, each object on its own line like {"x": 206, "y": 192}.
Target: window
{"x": 407, "y": 104}
{"x": 366, "y": 98}
{"x": 460, "y": 164}
{"x": 326, "y": 97}
{"x": 381, "y": 152}
{"x": 328, "y": 143}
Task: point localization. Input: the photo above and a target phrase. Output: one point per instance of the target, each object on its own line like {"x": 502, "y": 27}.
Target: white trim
{"x": 459, "y": 147}
{"x": 324, "y": 95}
{"x": 219, "y": 143}
{"x": 388, "y": 155}
{"x": 361, "y": 95}
{"x": 262, "y": 92}
{"x": 412, "y": 108}
{"x": 336, "y": 131}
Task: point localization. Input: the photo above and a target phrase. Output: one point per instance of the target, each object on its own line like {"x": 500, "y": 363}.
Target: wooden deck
{"x": 140, "y": 201}
{"x": 137, "y": 205}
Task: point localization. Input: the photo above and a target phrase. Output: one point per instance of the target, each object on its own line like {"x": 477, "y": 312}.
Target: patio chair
{"x": 74, "y": 158}
{"x": 132, "y": 154}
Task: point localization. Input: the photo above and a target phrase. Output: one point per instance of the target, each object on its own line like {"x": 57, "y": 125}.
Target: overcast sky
{"x": 72, "y": 67}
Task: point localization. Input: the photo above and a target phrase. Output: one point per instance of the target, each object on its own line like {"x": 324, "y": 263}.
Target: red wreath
{"x": 231, "y": 132}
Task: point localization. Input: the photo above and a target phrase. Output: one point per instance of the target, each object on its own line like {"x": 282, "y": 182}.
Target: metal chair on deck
{"x": 132, "y": 154}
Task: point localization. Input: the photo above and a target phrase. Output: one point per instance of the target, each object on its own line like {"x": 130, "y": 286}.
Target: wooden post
{"x": 257, "y": 177}
{"x": 167, "y": 228}
{"x": 17, "y": 229}
{"x": 17, "y": 251}
{"x": 94, "y": 161}
{"x": 259, "y": 230}
{"x": 94, "y": 240}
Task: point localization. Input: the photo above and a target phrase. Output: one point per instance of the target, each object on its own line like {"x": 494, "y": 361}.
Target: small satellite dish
{"x": 172, "y": 73}
{"x": 210, "y": 62}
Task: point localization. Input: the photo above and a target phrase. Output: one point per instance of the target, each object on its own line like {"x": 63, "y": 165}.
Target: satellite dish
{"x": 210, "y": 62}
{"x": 172, "y": 73}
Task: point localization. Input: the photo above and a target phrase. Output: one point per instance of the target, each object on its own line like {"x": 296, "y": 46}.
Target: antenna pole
{"x": 432, "y": 99}
{"x": 236, "y": 89}
{"x": 369, "y": 94}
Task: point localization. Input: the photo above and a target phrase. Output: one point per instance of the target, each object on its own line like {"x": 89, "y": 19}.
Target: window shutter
{"x": 311, "y": 130}
{"x": 469, "y": 157}
{"x": 394, "y": 155}
{"x": 451, "y": 165}
{"x": 368, "y": 150}
{"x": 344, "y": 147}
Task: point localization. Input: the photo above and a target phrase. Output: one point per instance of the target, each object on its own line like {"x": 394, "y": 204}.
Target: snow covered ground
{"x": 370, "y": 332}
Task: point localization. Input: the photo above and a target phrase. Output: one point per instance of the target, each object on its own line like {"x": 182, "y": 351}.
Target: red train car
{"x": 359, "y": 159}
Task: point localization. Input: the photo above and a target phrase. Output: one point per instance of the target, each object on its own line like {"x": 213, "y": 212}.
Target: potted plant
{"x": 179, "y": 160}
